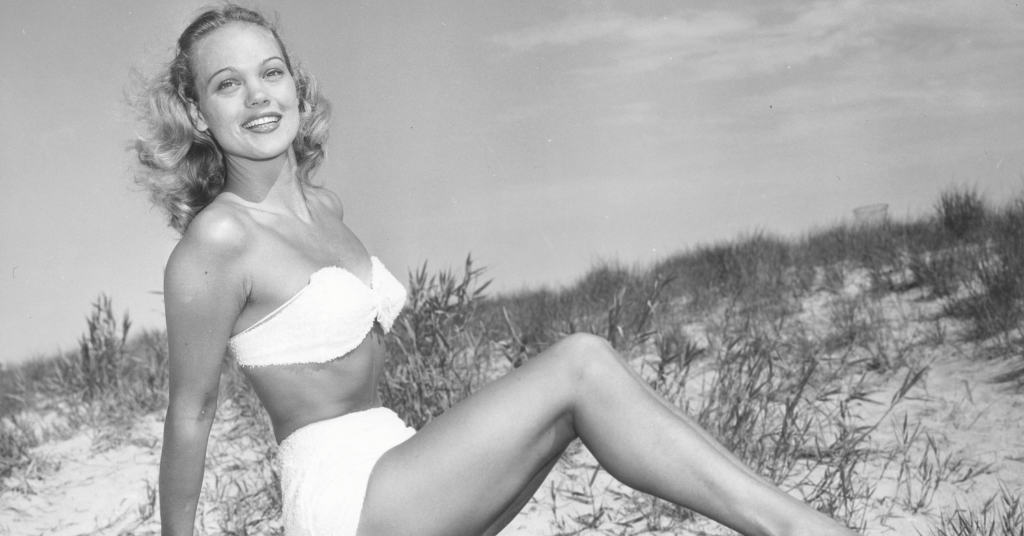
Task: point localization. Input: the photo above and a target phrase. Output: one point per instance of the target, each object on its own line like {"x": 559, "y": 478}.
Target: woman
{"x": 267, "y": 271}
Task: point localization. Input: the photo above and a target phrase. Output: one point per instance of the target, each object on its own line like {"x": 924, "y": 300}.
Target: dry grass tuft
{"x": 774, "y": 345}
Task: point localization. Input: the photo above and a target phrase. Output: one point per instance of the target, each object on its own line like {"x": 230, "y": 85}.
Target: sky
{"x": 541, "y": 137}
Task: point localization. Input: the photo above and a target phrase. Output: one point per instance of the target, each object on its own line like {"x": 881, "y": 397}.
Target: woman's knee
{"x": 587, "y": 343}
{"x": 584, "y": 357}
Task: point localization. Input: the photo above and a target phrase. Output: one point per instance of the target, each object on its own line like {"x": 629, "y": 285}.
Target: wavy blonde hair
{"x": 182, "y": 168}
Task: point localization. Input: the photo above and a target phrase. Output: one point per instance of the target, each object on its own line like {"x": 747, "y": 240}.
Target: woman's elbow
{"x": 192, "y": 409}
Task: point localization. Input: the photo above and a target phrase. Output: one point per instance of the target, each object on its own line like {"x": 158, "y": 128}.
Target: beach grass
{"x": 771, "y": 343}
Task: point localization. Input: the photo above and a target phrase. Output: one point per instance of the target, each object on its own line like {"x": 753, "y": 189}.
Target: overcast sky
{"x": 539, "y": 136}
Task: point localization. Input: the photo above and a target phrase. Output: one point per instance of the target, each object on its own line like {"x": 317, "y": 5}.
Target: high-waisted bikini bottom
{"x": 325, "y": 467}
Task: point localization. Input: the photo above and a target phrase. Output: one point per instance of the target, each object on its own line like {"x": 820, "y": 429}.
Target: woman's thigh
{"x": 467, "y": 467}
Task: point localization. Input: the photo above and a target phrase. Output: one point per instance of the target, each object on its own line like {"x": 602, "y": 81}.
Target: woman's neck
{"x": 272, "y": 184}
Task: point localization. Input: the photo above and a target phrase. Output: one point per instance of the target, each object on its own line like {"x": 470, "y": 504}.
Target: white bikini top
{"x": 325, "y": 320}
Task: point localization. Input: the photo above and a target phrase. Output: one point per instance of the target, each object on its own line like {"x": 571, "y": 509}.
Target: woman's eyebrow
{"x": 218, "y": 72}
{"x": 264, "y": 62}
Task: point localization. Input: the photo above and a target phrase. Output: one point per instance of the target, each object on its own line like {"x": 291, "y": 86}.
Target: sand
{"x": 89, "y": 483}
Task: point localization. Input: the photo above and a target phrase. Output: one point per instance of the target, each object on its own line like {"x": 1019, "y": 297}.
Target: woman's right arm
{"x": 204, "y": 292}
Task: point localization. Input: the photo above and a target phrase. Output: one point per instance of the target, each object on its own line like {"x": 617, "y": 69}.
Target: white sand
{"x": 74, "y": 487}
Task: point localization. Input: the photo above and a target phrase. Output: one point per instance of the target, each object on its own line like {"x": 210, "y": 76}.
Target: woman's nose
{"x": 257, "y": 96}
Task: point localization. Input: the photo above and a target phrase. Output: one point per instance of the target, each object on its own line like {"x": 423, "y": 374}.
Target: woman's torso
{"x": 282, "y": 253}
{"x": 295, "y": 395}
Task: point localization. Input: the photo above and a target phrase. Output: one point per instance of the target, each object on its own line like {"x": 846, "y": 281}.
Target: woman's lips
{"x": 265, "y": 123}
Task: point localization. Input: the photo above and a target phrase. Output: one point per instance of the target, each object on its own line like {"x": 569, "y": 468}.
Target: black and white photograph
{"x": 581, "y": 268}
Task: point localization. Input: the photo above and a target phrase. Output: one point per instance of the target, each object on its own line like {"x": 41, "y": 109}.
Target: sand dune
{"x": 104, "y": 483}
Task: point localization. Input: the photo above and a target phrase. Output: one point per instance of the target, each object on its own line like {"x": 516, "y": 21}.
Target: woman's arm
{"x": 204, "y": 292}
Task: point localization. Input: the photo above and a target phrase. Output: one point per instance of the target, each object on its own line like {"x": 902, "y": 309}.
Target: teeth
{"x": 260, "y": 121}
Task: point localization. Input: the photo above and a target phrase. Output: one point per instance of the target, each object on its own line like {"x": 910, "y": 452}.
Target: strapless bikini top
{"x": 325, "y": 320}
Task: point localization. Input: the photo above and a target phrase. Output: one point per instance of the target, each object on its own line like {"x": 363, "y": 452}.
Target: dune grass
{"x": 1001, "y": 515}
{"x": 733, "y": 345}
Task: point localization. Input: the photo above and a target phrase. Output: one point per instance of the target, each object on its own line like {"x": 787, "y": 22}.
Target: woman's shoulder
{"x": 329, "y": 200}
{"x": 219, "y": 226}
{"x": 216, "y": 238}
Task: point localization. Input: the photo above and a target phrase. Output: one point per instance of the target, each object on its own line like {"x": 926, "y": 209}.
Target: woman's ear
{"x": 196, "y": 115}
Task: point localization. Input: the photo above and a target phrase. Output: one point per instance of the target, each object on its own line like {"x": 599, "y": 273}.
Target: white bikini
{"x": 325, "y": 320}
{"x": 325, "y": 466}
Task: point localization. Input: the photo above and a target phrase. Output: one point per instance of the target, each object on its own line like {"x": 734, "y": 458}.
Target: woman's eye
{"x": 274, "y": 73}
{"x": 226, "y": 84}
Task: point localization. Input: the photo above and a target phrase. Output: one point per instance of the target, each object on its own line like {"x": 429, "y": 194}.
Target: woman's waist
{"x": 362, "y": 427}
{"x": 286, "y": 427}
{"x": 297, "y": 395}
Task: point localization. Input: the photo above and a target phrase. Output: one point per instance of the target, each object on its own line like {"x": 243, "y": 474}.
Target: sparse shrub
{"x": 19, "y": 383}
{"x": 761, "y": 405}
{"x": 632, "y": 311}
{"x": 676, "y": 352}
{"x": 756, "y": 270}
{"x": 612, "y": 301}
{"x": 880, "y": 249}
{"x": 744, "y": 405}
{"x": 603, "y": 282}
{"x": 437, "y": 345}
{"x": 533, "y": 319}
{"x": 754, "y": 265}
{"x": 1001, "y": 515}
{"x": 991, "y": 310}
{"x": 961, "y": 212}
{"x": 994, "y": 305}
{"x": 103, "y": 349}
{"x": 859, "y": 328}
{"x": 109, "y": 370}
{"x": 1005, "y": 277}
{"x": 851, "y": 324}
{"x": 854, "y": 245}
{"x": 15, "y": 442}
{"x": 656, "y": 515}
{"x": 923, "y": 468}
{"x": 943, "y": 272}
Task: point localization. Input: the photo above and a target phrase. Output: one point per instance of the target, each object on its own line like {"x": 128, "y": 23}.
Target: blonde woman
{"x": 267, "y": 272}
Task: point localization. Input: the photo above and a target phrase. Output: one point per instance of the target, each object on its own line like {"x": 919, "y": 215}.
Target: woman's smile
{"x": 263, "y": 123}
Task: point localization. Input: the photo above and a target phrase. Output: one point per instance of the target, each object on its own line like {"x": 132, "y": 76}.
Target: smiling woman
{"x": 267, "y": 272}
{"x": 247, "y": 99}
{"x": 182, "y": 164}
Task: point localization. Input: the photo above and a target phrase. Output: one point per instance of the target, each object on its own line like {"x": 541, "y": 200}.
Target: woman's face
{"x": 247, "y": 96}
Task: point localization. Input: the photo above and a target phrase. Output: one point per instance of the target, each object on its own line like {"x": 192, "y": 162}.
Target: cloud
{"x": 721, "y": 44}
{"x": 714, "y": 43}
{"x": 851, "y": 61}
{"x": 623, "y": 28}
{"x": 630, "y": 113}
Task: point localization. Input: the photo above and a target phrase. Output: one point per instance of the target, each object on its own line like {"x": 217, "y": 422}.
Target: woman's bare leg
{"x": 524, "y": 497}
{"x": 469, "y": 469}
{"x": 689, "y": 421}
